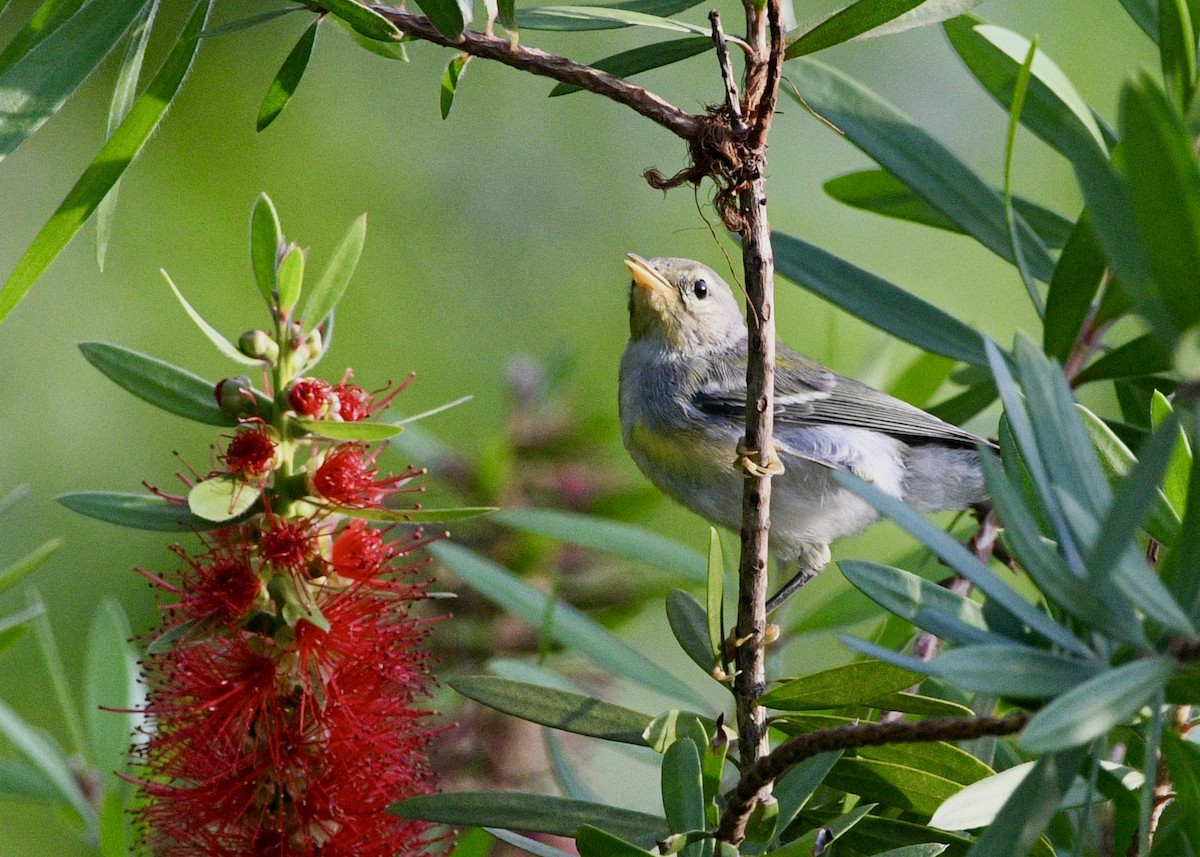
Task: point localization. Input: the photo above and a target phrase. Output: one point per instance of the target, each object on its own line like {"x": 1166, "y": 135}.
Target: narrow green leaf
{"x": 1077, "y": 279}
{"x": 905, "y": 787}
{"x": 222, "y": 498}
{"x": 1019, "y": 824}
{"x": 1164, "y": 187}
{"x": 1175, "y": 480}
{"x": 13, "y": 574}
{"x": 48, "y": 17}
{"x": 21, "y": 780}
{"x": 613, "y": 537}
{"x": 1181, "y": 571}
{"x": 1177, "y": 50}
{"x": 413, "y": 516}
{"x": 682, "y": 788}
{"x": 266, "y": 238}
{"x": 165, "y": 386}
{"x": 115, "y": 155}
{"x": 110, "y": 680}
{"x": 536, "y": 813}
{"x": 924, "y": 15}
{"x": 963, "y": 561}
{"x": 919, "y": 601}
{"x": 249, "y": 22}
{"x": 936, "y": 757}
{"x": 361, "y": 430}
{"x": 568, "y": 627}
{"x": 558, "y": 709}
{"x": 672, "y": 725}
{"x": 624, "y": 17}
{"x": 1019, "y": 89}
{"x": 903, "y": 148}
{"x": 876, "y": 301}
{"x": 970, "y": 402}
{"x": 287, "y": 79}
{"x": 336, "y": 277}
{"x": 37, "y": 84}
{"x": 534, "y": 19}
{"x": 124, "y": 92}
{"x": 214, "y": 336}
{"x": 1053, "y": 110}
{"x": 689, "y": 624}
{"x": 506, "y": 14}
{"x": 139, "y": 511}
{"x": 925, "y": 849}
{"x": 715, "y": 591}
{"x": 289, "y": 278}
{"x": 1145, "y": 14}
{"x": 565, "y": 776}
{"x": 1012, "y": 671}
{"x": 856, "y": 683}
{"x": 48, "y": 758}
{"x": 880, "y": 192}
{"x": 531, "y": 846}
{"x": 915, "y": 703}
{"x": 843, "y": 25}
{"x": 594, "y": 842}
{"x": 454, "y": 71}
{"x": 1182, "y": 758}
{"x": 365, "y": 21}
{"x": 1090, "y": 709}
{"x": 644, "y": 58}
{"x": 447, "y": 15}
{"x": 829, "y": 832}
{"x": 795, "y": 788}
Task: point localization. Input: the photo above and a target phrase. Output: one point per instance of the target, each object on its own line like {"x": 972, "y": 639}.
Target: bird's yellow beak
{"x": 644, "y": 276}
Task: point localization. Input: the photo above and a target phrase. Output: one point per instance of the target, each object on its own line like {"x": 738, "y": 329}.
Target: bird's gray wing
{"x": 808, "y": 394}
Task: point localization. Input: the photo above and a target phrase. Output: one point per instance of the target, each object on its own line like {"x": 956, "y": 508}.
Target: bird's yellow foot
{"x": 746, "y": 461}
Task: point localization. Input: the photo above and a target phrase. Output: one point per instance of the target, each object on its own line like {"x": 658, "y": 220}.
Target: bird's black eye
{"x": 700, "y": 289}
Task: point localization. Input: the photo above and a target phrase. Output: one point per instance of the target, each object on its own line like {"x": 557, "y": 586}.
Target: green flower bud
{"x": 234, "y": 397}
{"x": 259, "y": 345}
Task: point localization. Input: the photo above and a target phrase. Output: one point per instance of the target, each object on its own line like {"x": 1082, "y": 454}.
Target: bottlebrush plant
{"x": 287, "y": 676}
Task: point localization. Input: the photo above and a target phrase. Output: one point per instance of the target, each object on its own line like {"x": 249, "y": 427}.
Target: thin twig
{"x": 562, "y": 69}
{"x": 741, "y": 800}
{"x": 737, "y": 123}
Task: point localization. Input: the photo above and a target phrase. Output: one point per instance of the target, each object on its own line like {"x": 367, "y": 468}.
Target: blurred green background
{"x": 497, "y": 233}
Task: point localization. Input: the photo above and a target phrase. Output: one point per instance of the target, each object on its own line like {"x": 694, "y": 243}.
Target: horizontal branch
{"x": 766, "y": 770}
{"x": 564, "y": 70}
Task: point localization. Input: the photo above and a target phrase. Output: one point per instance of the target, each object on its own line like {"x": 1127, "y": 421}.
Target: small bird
{"x": 683, "y": 407}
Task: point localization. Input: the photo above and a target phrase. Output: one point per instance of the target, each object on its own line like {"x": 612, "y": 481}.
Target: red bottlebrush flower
{"x": 359, "y": 551}
{"x": 355, "y": 403}
{"x": 221, "y": 584}
{"x": 311, "y": 397}
{"x": 347, "y": 477}
{"x": 252, "y": 452}
{"x": 287, "y": 544}
{"x": 288, "y": 745}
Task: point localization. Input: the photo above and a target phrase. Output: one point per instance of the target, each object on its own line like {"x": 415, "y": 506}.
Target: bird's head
{"x": 683, "y": 302}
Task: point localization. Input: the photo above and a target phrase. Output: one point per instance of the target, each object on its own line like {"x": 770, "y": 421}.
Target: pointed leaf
{"x": 139, "y": 511}
{"x": 644, "y": 58}
{"x": 682, "y": 788}
{"x": 214, "y": 336}
{"x": 447, "y": 15}
{"x": 880, "y": 192}
{"x": 795, "y": 788}
{"x": 13, "y": 574}
{"x": 222, "y": 498}
{"x": 537, "y": 813}
{"x": 124, "y": 92}
{"x": 613, "y": 537}
{"x": 37, "y": 84}
{"x": 845, "y": 24}
{"x": 289, "y": 278}
{"x": 902, "y": 786}
{"x": 558, "y": 709}
{"x": 916, "y": 600}
{"x": 715, "y": 591}
{"x": 1090, "y": 709}
{"x": 915, "y": 703}
{"x": 110, "y": 680}
{"x": 533, "y": 19}
{"x": 524, "y": 843}
{"x": 1177, "y": 49}
{"x": 165, "y": 386}
{"x": 625, "y": 17}
{"x": 1013, "y": 671}
{"x": 249, "y": 22}
{"x": 454, "y": 71}
{"x": 876, "y": 301}
{"x": 1164, "y": 187}
{"x": 1145, "y": 14}
{"x": 1175, "y": 480}
{"x": 927, "y": 13}
{"x": 856, "y": 683}
{"x": 21, "y": 780}
{"x": 115, "y": 155}
{"x": 45, "y": 756}
{"x": 287, "y": 79}
{"x": 900, "y": 146}
{"x": 413, "y": 516}
{"x": 365, "y": 21}
{"x": 1053, "y": 108}
{"x": 1076, "y": 281}
{"x": 568, "y": 626}
{"x": 362, "y": 430}
{"x": 565, "y": 776}
{"x": 689, "y": 624}
{"x": 266, "y": 238}
{"x": 336, "y": 277}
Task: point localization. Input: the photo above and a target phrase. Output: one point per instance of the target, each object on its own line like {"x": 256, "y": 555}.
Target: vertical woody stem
{"x": 762, "y": 76}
